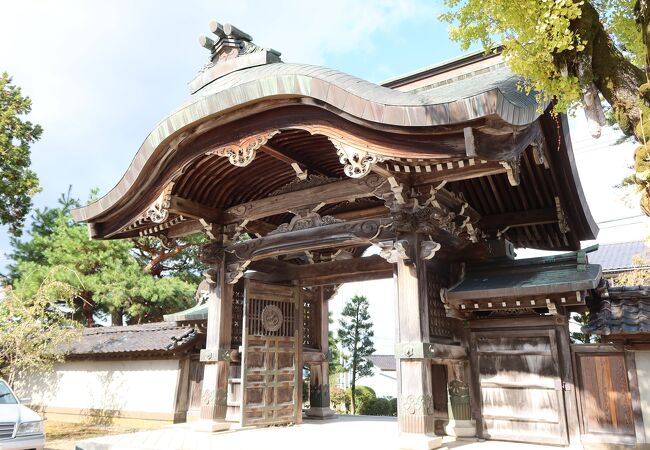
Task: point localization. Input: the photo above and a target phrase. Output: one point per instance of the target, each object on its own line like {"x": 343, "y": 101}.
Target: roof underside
{"x": 305, "y": 113}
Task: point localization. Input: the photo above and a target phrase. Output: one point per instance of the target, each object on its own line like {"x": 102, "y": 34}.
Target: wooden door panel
{"x": 520, "y": 389}
{"x": 271, "y": 375}
{"x": 605, "y": 398}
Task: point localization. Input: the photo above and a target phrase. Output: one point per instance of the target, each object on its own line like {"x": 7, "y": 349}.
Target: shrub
{"x": 364, "y": 394}
{"x": 376, "y": 407}
{"x": 393, "y": 406}
{"x": 337, "y": 398}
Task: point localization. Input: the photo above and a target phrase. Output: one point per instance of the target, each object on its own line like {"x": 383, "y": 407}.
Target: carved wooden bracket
{"x": 428, "y": 249}
{"x": 513, "y": 170}
{"x": 562, "y": 222}
{"x": 357, "y": 161}
{"x": 394, "y": 251}
{"x": 158, "y": 212}
{"x": 242, "y": 153}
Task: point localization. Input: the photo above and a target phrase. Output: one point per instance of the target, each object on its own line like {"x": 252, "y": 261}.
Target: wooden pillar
{"x": 568, "y": 379}
{"x": 216, "y": 355}
{"x": 415, "y": 412}
{"x": 319, "y": 388}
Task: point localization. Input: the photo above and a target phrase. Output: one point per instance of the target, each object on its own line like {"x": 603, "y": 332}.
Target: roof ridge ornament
{"x": 233, "y": 50}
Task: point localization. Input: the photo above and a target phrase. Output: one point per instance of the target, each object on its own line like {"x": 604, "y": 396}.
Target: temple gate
{"x": 302, "y": 178}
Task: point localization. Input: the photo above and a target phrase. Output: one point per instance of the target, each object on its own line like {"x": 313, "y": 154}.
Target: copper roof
{"x": 305, "y": 113}
{"x": 158, "y": 338}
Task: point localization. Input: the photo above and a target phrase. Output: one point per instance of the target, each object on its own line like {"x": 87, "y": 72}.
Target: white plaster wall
{"x": 143, "y": 386}
{"x": 642, "y": 360}
{"x": 383, "y": 383}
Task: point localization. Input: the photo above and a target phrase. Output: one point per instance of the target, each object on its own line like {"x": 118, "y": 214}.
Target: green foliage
{"x": 111, "y": 277}
{"x": 35, "y": 329}
{"x": 578, "y": 337}
{"x": 355, "y": 334}
{"x": 533, "y": 33}
{"x": 621, "y": 20}
{"x": 334, "y": 356}
{"x": 18, "y": 184}
{"x": 363, "y": 394}
{"x": 337, "y": 398}
{"x": 377, "y": 407}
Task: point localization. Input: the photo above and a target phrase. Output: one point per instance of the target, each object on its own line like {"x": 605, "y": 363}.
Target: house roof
{"x": 386, "y": 363}
{"x": 626, "y": 310}
{"x": 158, "y": 338}
{"x": 621, "y": 256}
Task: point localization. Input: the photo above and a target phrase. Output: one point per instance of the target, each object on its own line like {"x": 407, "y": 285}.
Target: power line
{"x": 620, "y": 218}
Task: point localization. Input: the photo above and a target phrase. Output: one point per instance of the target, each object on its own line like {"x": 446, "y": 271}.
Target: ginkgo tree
{"x": 572, "y": 52}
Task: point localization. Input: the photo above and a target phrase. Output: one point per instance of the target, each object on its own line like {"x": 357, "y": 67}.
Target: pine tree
{"x": 18, "y": 183}
{"x": 355, "y": 334}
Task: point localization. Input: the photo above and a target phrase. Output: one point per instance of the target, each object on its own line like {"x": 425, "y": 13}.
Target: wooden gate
{"x": 271, "y": 358}
{"x": 521, "y": 396}
{"x": 605, "y": 401}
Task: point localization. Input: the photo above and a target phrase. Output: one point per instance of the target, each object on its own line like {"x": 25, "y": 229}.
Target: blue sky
{"x": 102, "y": 73}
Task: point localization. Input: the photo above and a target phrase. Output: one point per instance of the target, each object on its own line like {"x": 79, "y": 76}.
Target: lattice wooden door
{"x": 271, "y": 359}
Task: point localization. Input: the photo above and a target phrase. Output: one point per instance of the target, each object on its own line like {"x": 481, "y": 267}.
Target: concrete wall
{"x": 106, "y": 390}
{"x": 642, "y": 360}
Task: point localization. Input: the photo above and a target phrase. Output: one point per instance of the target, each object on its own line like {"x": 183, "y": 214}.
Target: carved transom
{"x": 304, "y": 220}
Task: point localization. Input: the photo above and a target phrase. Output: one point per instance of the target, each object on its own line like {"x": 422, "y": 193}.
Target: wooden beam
{"x": 344, "y": 234}
{"x": 459, "y": 173}
{"x": 518, "y": 219}
{"x": 368, "y": 213}
{"x": 190, "y": 208}
{"x": 282, "y": 155}
{"x": 332, "y": 272}
{"x": 338, "y": 191}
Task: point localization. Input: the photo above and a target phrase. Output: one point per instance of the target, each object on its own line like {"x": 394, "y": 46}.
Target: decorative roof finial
{"x": 232, "y": 50}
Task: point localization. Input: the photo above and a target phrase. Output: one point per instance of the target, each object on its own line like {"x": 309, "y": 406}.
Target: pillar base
{"x": 320, "y": 412}
{"x": 461, "y": 428}
{"x": 210, "y": 426}
{"x": 414, "y": 441}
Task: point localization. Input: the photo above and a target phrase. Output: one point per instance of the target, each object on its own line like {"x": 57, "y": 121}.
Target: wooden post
{"x": 216, "y": 355}
{"x": 319, "y": 388}
{"x": 415, "y": 413}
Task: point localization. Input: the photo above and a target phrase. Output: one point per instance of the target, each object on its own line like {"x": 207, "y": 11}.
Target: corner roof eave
{"x": 372, "y": 105}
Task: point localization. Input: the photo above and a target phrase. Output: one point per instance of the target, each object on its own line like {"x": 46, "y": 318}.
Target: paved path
{"x": 359, "y": 432}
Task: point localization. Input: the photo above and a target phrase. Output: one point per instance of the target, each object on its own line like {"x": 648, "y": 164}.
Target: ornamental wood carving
{"x": 158, "y": 212}
{"x": 394, "y": 251}
{"x": 428, "y": 249}
{"x": 356, "y": 161}
{"x": 513, "y": 170}
{"x": 242, "y": 153}
{"x": 303, "y": 220}
{"x": 417, "y": 404}
{"x": 342, "y": 234}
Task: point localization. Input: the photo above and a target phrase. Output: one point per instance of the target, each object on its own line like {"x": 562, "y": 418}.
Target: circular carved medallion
{"x": 271, "y": 318}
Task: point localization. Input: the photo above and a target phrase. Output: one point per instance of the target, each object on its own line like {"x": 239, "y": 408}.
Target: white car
{"x": 20, "y": 427}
